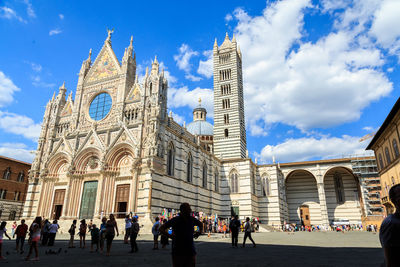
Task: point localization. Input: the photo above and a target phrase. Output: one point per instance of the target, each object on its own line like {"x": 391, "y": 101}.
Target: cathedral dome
{"x": 200, "y": 127}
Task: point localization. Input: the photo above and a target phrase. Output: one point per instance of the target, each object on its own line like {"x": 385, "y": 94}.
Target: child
{"x": 94, "y": 233}
{"x": 3, "y": 231}
{"x": 71, "y": 231}
{"x": 34, "y": 232}
{"x": 224, "y": 229}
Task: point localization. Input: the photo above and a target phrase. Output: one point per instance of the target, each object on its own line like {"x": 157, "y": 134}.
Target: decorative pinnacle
{"x": 90, "y": 54}
{"x": 155, "y": 60}
{"x": 226, "y": 36}
{"x": 62, "y": 86}
{"x": 199, "y": 101}
{"x": 215, "y": 42}
{"x": 130, "y": 44}
{"x": 234, "y": 38}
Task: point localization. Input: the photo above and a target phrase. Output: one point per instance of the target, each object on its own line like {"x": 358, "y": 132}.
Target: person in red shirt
{"x": 21, "y": 231}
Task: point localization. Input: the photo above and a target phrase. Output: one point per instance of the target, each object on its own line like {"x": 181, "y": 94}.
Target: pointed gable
{"x": 67, "y": 110}
{"x": 106, "y": 65}
{"x": 135, "y": 93}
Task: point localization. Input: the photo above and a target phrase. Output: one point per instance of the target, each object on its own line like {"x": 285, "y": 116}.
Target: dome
{"x": 200, "y": 127}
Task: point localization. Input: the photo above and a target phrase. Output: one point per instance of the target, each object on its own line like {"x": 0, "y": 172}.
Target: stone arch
{"x": 121, "y": 158}
{"x": 342, "y": 194}
{"x": 58, "y": 164}
{"x": 88, "y": 156}
{"x": 301, "y": 190}
{"x": 171, "y": 159}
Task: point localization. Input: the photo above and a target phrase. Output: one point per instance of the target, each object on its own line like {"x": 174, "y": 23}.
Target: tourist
{"x": 234, "y": 227}
{"x": 82, "y": 234}
{"x": 209, "y": 228}
{"x": 247, "y": 233}
{"x": 110, "y": 232}
{"x": 128, "y": 224}
{"x": 71, "y": 232}
{"x": 34, "y": 232}
{"x": 90, "y": 224}
{"x": 224, "y": 230}
{"x": 164, "y": 237}
{"x": 13, "y": 227}
{"x": 53, "y": 229}
{"x": 94, "y": 233}
{"x": 21, "y": 231}
{"x": 155, "y": 230}
{"x": 102, "y": 233}
{"x": 134, "y": 231}
{"x": 389, "y": 234}
{"x": 45, "y": 232}
{"x": 183, "y": 250}
{"x": 3, "y": 231}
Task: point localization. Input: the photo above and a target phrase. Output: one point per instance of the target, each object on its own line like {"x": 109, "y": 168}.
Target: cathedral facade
{"x": 115, "y": 149}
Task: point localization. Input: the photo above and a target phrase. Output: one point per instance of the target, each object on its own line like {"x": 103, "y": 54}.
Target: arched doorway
{"x": 342, "y": 195}
{"x": 302, "y": 197}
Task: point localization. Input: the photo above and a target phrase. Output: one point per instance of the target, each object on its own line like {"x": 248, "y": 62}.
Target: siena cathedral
{"x": 114, "y": 148}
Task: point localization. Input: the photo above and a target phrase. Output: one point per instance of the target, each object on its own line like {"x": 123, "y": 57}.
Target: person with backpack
{"x": 53, "y": 229}
{"x": 71, "y": 232}
{"x": 94, "y": 233}
{"x": 154, "y": 230}
{"x": 134, "y": 231}
{"x": 247, "y": 232}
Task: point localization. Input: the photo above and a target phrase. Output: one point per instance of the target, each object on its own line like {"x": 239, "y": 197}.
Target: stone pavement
{"x": 273, "y": 249}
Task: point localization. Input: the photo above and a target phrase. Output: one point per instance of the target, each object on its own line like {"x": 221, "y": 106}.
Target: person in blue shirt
{"x": 183, "y": 250}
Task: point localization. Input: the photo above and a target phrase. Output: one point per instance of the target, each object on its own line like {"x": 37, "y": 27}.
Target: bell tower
{"x": 229, "y": 124}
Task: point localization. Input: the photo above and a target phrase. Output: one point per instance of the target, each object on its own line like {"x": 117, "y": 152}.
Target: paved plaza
{"x": 273, "y": 249}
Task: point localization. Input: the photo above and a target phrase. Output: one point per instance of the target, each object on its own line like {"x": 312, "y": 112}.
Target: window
{"x": 3, "y": 194}
{"x": 234, "y": 183}
{"x": 226, "y": 118}
{"x": 265, "y": 185}
{"x": 171, "y": 160}
{"x": 151, "y": 88}
{"x": 387, "y": 155}
{"x": 189, "y": 169}
{"x": 11, "y": 217}
{"x": 21, "y": 177}
{"x": 204, "y": 175}
{"x": 253, "y": 183}
{"x": 395, "y": 148}
{"x": 337, "y": 178}
{"x": 216, "y": 180}
{"x": 381, "y": 161}
{"x": 226, "y": 133}
{"x": 7, "y": 174}
{"x": 100, "y": 106}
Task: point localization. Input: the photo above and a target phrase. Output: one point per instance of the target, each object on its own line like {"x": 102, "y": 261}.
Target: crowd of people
{"x": 292, "y": 227}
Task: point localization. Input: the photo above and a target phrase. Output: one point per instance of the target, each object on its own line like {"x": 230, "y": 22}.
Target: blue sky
{"x": 318, "y": 75}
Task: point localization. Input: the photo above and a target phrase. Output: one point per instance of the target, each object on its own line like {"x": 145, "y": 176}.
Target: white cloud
{"x": 183, "y": 61}
{"x": 320, "y": 84}
{"x": 35, "y": 67}
{"x": 308, "y": 148}
{"x": 17, "y": 151}
{"x": 178, "y": 118}
{"x": 29, "y": 9}
{"x": 385, "y": 26}
{"x": 228, "y": 17}
{"x": 368, "y": 128}
{"x": 37, "y": 82}
{"x": 20, "y": 125}
{"x": 61, "y": 16}
{"x": 184, "y": 97}
{"x": 206, "y": 67}
{"x": 7, "y": 89}
{"x": 54, "y": 32}
{"x": 8, "y": 13}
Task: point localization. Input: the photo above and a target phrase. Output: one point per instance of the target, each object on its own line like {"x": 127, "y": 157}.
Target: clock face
{"x": 100, "y": 106}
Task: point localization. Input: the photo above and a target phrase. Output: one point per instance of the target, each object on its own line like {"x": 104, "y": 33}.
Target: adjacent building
{"x": 113, "y": 148}
{"x": 13, "y": 187}
{"x": 385, "y": 145}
